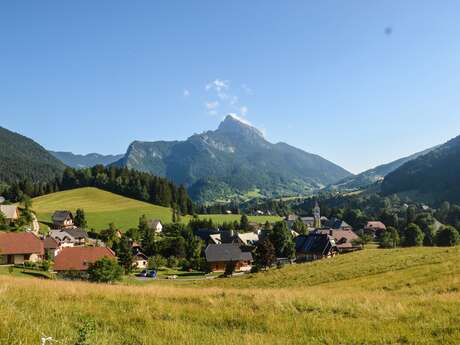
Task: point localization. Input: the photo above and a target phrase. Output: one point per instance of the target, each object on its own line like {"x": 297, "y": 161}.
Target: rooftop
{"x": 79, "y": 258}
{"x": 226, "y": 252}
{"x": 20, "y": 243}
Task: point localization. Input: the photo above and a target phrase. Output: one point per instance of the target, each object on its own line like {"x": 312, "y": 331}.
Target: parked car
{"x": 147, "y": 274}
{"x": 152, "y": 274}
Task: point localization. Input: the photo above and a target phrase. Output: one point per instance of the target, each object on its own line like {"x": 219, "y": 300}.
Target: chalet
{"x": 338, "y": 224}
{"x": 346, "y": 240}
{"x": 62, "y": 219}
{"x": 140, "y": 260}
{"x": 10, "y": 212}
{"x": 19, "y": 247}
{"x": 79, "y": 258}
{"x": 219, "y": 255}
{"x": 155, "y": 225}
{"x": 209, "y": 236}
{"x": 215, "y": 239}
{"x": 247, "y": 238}
{"x": 314, "y": 247}
{"x": 70, "y": 237}
{"x": 374, "y": 228}
{"x": 52, "y": 247}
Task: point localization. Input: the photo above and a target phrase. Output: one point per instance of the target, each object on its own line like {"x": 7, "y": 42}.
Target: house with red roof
{"x": 374, "y": 228}
{"x": 79, "y": 258}
{"x": 345, "y": 240}
{"x": 19, "y": 247}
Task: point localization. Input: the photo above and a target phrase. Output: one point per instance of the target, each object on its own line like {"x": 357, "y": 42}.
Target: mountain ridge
{"x": 235, "y": 158}
{"x": 84, "y": 160}
{"x": 432, "y": 177}
{"x": 373, "y": 175}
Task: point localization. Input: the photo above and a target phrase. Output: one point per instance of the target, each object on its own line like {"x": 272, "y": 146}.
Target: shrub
{"x": 389, "y": 238}
{"x": 46, "y": 265}
{"x": 105, "y": 270}
{"x": 172, "y": 262}
{"x": 156, "y": 262}
{"x": 413, "y": 236}
{"x": 447, "y": 236}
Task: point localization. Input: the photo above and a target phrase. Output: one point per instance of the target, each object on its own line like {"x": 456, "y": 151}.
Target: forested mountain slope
{"x": 233, "y": 160}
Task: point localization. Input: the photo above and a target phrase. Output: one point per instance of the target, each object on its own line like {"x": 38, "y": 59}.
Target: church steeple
{"x": 316, "y": 216}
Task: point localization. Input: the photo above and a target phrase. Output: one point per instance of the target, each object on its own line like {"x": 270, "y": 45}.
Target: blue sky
{"x": 359, "y": 82}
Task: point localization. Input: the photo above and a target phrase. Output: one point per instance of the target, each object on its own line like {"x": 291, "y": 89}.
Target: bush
{"x": 447, "y": 236}
{"x": 172, "y": 262}
{"x": 199, "y": 264}
{"x": 185, "y": 264}
{"x": 46, "y": 265}
{"x": 389, "y": 238}
{"x": 156, "y": 262}
{"x": 105, "y": 270}
{"x": 413, "y": 236}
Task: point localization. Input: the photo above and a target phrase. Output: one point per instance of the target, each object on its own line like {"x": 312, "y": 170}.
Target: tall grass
{"x": 416, "y": 302}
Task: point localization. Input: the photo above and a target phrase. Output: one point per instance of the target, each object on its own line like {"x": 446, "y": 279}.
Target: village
{"x": 68, "y": 251}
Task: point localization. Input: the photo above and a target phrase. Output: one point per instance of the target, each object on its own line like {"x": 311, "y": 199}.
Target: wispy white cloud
{"x": 218, "y": 85}
{"x": 240, "y": 118}
{"x": 186, "y": 93}
{"x": 211, "y": 105}
{"x": 227, "y": 101}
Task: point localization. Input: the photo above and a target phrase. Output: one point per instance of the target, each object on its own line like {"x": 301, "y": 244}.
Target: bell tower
{"x": 316, "y": 216}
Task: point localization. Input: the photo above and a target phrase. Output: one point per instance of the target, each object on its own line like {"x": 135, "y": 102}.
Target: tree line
{"x": 123, "y": 181}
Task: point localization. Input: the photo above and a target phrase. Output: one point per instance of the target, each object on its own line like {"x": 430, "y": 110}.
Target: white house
{"x": 10, "y": 212}
{"x": 155, "y": 225}
{"x": 69, "y": 237}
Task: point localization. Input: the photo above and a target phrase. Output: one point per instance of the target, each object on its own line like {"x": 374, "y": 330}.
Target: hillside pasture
{"x": 102, "y": 208}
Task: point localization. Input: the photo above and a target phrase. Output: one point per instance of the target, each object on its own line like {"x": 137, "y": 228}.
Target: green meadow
{"x": 103, "y": 207}
{"x": 373, "y": 297}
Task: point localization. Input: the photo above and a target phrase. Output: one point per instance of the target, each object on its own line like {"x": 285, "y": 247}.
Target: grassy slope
{"x": 102, "y": 207}
{"x": 408, "y": 296}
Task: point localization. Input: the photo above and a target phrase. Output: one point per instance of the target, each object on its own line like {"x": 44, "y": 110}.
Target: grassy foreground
{"x": 103, "y": 207}
{"x": 404, "y": 296}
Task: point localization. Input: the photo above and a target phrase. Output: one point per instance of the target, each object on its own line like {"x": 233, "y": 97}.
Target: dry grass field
{"x": 404, "y": 296}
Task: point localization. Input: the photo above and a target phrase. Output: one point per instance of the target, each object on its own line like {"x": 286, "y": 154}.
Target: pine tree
{"x": 80, "y": 219}
{"x": 125, "y": 254}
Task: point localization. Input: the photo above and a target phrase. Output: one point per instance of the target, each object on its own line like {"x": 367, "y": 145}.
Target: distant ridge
{"x": 85, "y": 161}
{"x": 371, "y": 176}
{"x": 232, "y": 161}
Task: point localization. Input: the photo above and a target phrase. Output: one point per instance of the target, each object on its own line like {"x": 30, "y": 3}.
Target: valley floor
{"x": 403, "y": 296}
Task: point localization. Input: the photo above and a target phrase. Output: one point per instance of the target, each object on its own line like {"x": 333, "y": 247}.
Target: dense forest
{"x": 122, "y": 181}
{"x": 22, "y": 158}
{"x": 433, "y": 177}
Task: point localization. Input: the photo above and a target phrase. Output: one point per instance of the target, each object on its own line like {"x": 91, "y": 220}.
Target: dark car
{"x": 152, "y": 274}
{"x": 147, "y": 274}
